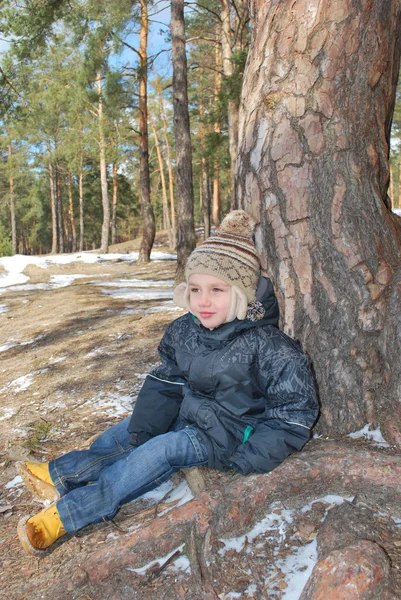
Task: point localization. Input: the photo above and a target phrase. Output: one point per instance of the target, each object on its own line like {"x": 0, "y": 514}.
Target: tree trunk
{"x": 205, "y": 180}
{"x": 81, "y": 207}
{"x": 186, "y": 239}
{"x": 53, "y": 204}
{"x": 392, "y": 199}
{"x": 104, "y": 244}
{"x": 12, "y": 201}
{"x": 216, "y": 212}
{"x": 316, "y": 110}
{"x": 166, "y": 216}
{"x": 233, "y": 104}
{"x": 399, "y": 185}
{"x": 60, "y": 217}
{"x": 169, "y": 162}
{"x": 148, "y": 218}
{"x": 114, "y": 213}
{"x": 71, "y": 214}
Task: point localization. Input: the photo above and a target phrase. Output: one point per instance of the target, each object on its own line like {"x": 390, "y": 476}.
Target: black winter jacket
{"x": 245, "y": 385}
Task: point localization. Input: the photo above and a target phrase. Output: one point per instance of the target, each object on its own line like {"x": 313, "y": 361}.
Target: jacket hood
{"x": 264, "y": 294}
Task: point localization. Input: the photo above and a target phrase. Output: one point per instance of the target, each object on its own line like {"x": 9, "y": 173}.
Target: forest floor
{"x": 76, "y": 343}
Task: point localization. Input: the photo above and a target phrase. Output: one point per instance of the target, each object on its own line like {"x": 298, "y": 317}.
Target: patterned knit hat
{"x": 230, "y": 254}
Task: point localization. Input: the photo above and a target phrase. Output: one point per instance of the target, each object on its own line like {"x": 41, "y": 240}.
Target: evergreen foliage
{"x": 49, "y": 120}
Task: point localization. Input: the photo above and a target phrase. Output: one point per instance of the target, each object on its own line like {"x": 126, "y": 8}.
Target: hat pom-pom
{"x": 238, "y": 222}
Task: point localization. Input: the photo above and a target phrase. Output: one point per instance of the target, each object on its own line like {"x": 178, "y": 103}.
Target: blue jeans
{"x": 94, "y": 483}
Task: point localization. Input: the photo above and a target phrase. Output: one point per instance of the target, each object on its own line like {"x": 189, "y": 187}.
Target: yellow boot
{"x": 40, "y": 531}
{"x": 37, "y": 477}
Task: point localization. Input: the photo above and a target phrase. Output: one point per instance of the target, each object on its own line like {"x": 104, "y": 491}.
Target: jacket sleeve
{"x": 268, "y": 446}
{"x": 159, "y": 399}
{"x": 291, "y": 406}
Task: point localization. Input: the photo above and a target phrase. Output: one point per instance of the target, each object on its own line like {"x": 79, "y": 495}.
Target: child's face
{"x": 209, "y": 299}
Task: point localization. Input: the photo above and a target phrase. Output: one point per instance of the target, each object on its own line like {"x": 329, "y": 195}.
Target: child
{"x": 232, "y": 392}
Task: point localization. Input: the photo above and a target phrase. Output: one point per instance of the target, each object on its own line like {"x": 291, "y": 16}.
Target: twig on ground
{"x": 156, "y": 573}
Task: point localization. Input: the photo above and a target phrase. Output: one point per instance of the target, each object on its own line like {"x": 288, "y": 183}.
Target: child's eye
{"x": 193, "y": 290}
{"x": 217, "y": 290}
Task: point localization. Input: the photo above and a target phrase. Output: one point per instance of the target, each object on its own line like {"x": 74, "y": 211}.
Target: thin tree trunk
{"x": 71, "y": 213}
{"x": 399, "y": 185}
{"x": 60, "y": 219}
{"x": 166, "y": 216}
{"x": 53, "y": 204}
{"x": 148, "y": 218}
{"x": 233, "y": 104}
{"x": 205, "y": 179}
{"x": 12, "y": 201}
{"x": 313, "y": 172}
{"x": 186, "y": 239}
{"x": 114, "y": 213}
{"x": 81, "y": 207}
{"x": 104, "y": 244}
{"x": 169, "y": 163}
{"x": 216, "y": 213}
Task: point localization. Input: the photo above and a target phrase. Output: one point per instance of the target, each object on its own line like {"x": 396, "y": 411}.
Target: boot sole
{"x": 41, "y": 489}
{"x": 23, "y": 538}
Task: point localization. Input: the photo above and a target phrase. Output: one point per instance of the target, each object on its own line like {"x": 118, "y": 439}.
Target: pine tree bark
{"x": 216, "y": 207}
{"x": 316, "y": 110}
{"x": 169, "y": 163}
{"x": 53, "y": 205}
{"x": 186, "y": 240}
{"x": 71, "y": 214}
{"x": 233, "y": 105}
{"x": 148, "y": 218}
{"x": 205, "y": 180}
{"x": 12, "y": 202}
{"x": 81, "y": 207}
{"x": 59, "y": 204}
{"x": 166, "y": 216}
{"x": 104, "y": 244}
{"x": 114, "y": 211}
{"x": 399, "y": 184}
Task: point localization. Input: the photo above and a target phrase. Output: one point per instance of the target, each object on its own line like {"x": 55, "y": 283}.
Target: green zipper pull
{"x": 247, "y": 433}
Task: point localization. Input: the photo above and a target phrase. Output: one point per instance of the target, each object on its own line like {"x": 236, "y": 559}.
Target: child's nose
{"x": 205, "y": 299}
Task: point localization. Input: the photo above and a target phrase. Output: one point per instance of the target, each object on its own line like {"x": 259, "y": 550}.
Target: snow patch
{"x": 157, "y": 561}
{"x": 297, "y": 568}
{"x": 6, "y": 413}
{"x": 3, "y": 308}
{"x": 370, "y": 434}
{"x": 272, "y": 522}
{"x": 22, "y": 383}
{"x": 15, "y": 265}
{"x": 14, "y": 482}
{"x": 142, "y": 294}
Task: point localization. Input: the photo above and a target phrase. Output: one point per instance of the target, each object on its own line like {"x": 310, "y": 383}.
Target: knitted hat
{"x": 230, "y": 254}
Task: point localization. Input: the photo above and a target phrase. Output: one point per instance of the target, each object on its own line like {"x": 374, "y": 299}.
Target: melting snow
{"x": 3, "y": 308}
{"x": 160, "y": 561}
{"x": 297, "y": 568}
{"x": 142, "y": 294}
{"x": 6, "y": 413}
{"x": 373, "y": 435}
{"x": 15, "y": 265}
{"x": 22, "y": 383}
{"x": 272, "y": 522}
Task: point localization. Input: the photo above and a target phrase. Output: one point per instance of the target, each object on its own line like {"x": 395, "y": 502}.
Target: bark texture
{"x": 185, "y": 196}
{"x": 316, "y": 111}
{"x": 104, "y": 244}
{"x": 149, "y": 228}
